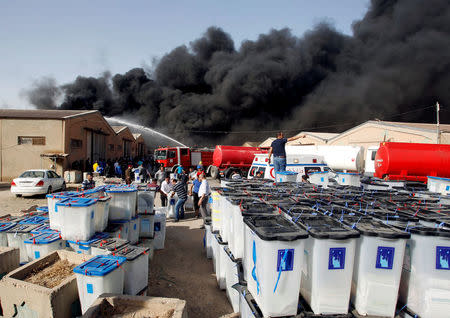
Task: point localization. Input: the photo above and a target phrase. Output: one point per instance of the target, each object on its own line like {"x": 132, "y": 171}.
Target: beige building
{"x": 59, "y": 139}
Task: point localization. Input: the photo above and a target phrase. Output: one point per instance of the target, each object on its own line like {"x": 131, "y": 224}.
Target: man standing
{"x": 165, "y": 190}
{"x": 203, "y": 194}
{"x": 279, "y": 152}
{"x": 195, "y": 187}
{"x": 180, "y": 189}
{"x": 160, "y": 175}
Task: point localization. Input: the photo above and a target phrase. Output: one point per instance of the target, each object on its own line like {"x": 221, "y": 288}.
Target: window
{"x": 374, "y": 153}
{"x": 25, "y": 140}
{"x": 32, "y": 174}
{"x": 184, "y": 152}
{"x": 119, "y": 148}
{"x": 111, "y": 147}
{"x": 172, "y": 154}
{"x": 53, "y": 174}
{"x": 75, "y": 143}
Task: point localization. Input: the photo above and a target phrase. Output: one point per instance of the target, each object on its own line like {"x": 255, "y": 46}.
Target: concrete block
{"x": 41, "y": 302}
{"x": 108, "y": 305}
{"x": 9, "y": 259}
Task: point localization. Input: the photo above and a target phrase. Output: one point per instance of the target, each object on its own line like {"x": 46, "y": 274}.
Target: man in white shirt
{"x": 203, "y": 194}
{"x": 166, "y": 187}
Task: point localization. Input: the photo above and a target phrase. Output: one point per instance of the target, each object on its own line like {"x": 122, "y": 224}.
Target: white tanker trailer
{"x": 338, "y": 158}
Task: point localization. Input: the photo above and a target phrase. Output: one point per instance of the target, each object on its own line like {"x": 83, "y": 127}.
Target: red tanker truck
{"x": 227, "y": 159}
{"x": 412, "y": 161}
{"x": 222, "y": 161}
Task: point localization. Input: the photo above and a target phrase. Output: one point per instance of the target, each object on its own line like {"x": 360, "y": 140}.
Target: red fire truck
{"x": 172, "y": 157}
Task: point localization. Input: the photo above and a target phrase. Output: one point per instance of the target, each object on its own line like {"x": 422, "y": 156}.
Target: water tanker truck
{"x": 412, "y": 161}
{"x": 172, "y": 157}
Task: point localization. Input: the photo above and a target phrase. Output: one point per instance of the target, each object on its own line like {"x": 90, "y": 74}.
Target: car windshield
{"x": 32, "y": 174}
{"x": 161, "y": 154}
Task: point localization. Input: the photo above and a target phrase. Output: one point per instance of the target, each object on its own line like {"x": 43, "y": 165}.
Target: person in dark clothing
{"x": 279, "y": 153}
{"x": 195, "y": 187}
{"x": 89, "y": 183}
{"x": 180, "y": 189}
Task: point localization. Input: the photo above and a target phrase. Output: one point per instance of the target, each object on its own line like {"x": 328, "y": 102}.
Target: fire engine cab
{"x": 172, "y": 157}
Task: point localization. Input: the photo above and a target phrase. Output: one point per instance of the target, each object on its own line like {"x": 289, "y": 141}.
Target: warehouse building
{"x": 61, "y": 139}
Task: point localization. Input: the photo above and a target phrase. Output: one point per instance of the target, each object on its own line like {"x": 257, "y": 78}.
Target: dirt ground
{"x": 180, "y": 270}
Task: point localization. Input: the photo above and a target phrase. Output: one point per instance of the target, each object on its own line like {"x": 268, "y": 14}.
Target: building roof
{"x": 267, "y": 142}
{"x": 251, "y": 144}
{"x": 43, "y": 113}
{"x": 118, "y": 129}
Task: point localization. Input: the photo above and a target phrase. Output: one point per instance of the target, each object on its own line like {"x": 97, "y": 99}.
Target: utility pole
{"x": 438, "y": 138}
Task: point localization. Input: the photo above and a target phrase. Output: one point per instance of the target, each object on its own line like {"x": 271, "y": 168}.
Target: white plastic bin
{"x": 136, "y": 268}
{"x": 146, "y": 201}
{"x": 84, "y": 247}
{"x": 137, "y": 177}
{"x": 102, "y": 213}
{"x": 4, "y": 227}
{"x": 107, "y": 246}
{"x": 329, "y": 255}
{"x": 171, "y": 206}
{"x": 276, "y": 256}
{"x": 123, "y": 202}
{"x": 99, "y": 275}
{"x": 231, "y": 278}
{"x": 247, "y": 304}
{"x": 124, "y": 229}
{"x": 286, "y": 176}
{"x": 348, "y": 178}
{"x": 17, "y": 236}
{"x": 208, "y": 238}
{"x": 55, "y": 217}
{"x": 378, "y": 267}
{"x": 425, "y": 282}
{"x": 43, "y": 244}
{"x": 439, "y": 185}
{"x": 159, "y": 229}
{"x": 147, "y": 224}
{"x": 133, "y": 235}
{"x": 78, "y": 221}
{"x": 216, "y": 210}
{"x": 219, "y": 261}
{"x": 319, "y": 178}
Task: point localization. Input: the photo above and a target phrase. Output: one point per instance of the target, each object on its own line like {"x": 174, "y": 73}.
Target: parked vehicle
{"x": 172, "y": 157}
{"x": 228, "y": 159}
{"x": 302, "y": 164}
{"x": 40, "y": 181}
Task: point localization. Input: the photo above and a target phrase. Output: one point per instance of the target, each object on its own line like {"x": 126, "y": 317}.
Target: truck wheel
{"x": 213, "y": 172}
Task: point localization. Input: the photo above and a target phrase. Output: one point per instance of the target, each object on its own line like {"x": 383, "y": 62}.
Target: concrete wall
{"x": 16, "y": 158}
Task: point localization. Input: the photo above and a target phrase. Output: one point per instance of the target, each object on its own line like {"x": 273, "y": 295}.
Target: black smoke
{"x": 396, "y": 61}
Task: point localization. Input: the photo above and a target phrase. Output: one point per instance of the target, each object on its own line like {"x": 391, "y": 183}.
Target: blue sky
{"x": 64, "y": 39}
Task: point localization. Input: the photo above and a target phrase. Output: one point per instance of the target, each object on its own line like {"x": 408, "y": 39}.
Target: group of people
{"x": 193, "y": 183}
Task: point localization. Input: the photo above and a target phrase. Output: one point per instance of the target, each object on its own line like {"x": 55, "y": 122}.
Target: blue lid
{"x": 34, "y": 220}
{"x": 44, "y": 238}
{"x": 119, "y": 189}
{"x": 119, "y": 221}
{"x": 317, "y": 172}
{"x": 100, "y": 265}
{"x": 349, "y": 173}
{"x": 5, "y": 226}
{"x": 97, "y": 236}
{"x": 77, "y": 202}
{"x": 60, "y": 195}
{"x": 42, "y": 209}
{"x": 43, "y": 228}
{"x": 439, "y": 178}
{"x": 23, "y": 228}
{"x": 287, "y": 173}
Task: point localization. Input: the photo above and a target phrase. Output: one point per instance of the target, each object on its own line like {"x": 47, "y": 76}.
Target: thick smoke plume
{"x": 396, "y": 61}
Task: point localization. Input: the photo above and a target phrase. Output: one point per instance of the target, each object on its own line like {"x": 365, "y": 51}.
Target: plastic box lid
{"x": 230, "y": 255}
{"x": 119, "y": 221}
{"x": 287, "y": 173}
{"x": 99, "y": 265}
{"x": 42, "y": 208}
{"x": 259, "y": 210}
{"x": 5, "y": 226}
{"x": 97, "y": 236}
{"x": 44, "y": 238}
{"x": 428, "y": 231}
{"x": 104, "y": 198}
{"x": 77, "y": 202}
{"x": 372, "y": 227}
{"x": 110, "y": 244}
{"x": 34, "y": 220}
{"x": 60, "y": 195}
{"x": 43, "y": 228}
{"x": 122, "y": 189}
{"x": 275, "y": 228}
{"x": 219, "y": 239}
{"x": 23, "y": 228}
{"x": 324, "y": 227}
{"x": 131, "y": 252}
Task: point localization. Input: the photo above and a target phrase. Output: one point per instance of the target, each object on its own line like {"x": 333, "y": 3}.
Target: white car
{"x": 37, "y": 181}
